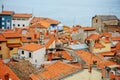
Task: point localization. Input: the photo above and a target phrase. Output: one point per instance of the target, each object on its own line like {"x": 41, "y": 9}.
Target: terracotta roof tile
{"x": 106, "y": 54}
{"x": 31, "y": 47}
{"x": 90, "y": 57}
{"x": 42, "y": 24}
{"x": 11, "y": 35}
{"x": 50, "y": 41}
{"x": 41, "y": 19}
{"x": 6, "y": 70}
{"x": 98, "y": 45}
{"x": 102, "y": 64}
{"x": 88, "y": 28}
{"x": 56, "y": 71}
{"x": 106, "y": 34}
{"x": 118, "y": 46}
{"x": 2, "y": 38}
{"x": 64, "y": 55}
{"x": 93, "y": 37}
{"x": 106, "y": 40}
{"x": 66, "y": 27}
{"x": 14, "y": 45}
{"x": 7, "y": 12}
{"x": 33, "y": 77}
{"x": 49, "y": 20}
{"x": 116, "y": 38}
{"x": 22, "y": 15}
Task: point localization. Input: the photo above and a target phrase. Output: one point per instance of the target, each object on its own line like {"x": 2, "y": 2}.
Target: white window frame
{"x": 3, "y": 23}
{"x": 3, "y": 18}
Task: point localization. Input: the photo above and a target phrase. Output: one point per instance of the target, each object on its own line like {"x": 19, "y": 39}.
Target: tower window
{"x": 96, "y": 20}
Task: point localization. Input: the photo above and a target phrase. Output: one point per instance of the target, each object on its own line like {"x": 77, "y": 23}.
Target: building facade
{"x": 33, "y": 52}
{"x": 6, "y": 19}
{"x": 100, "y": 21}
{"x": 21, "y": 20}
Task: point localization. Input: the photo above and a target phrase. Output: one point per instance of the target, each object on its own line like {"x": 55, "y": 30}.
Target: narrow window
{"x": 29, "y": 54}
{"x": 0, "y": 48}
{"x": 96, "y": 20}
{"x": 22, "y": 52}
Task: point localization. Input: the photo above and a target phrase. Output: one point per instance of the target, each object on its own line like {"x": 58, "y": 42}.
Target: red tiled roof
{"x": 56, "y": 71}
{"x": 88, "y": 28}
{"x": 31, "y": 47}
{"x": 87, "y": 56}
{"x": 93, "y": 37}
{"x": 41, "y": 19}
{"x": 116, "y": 38}
{"x": 7, "y": 12}
{"x": 2, "y": 38}
{"x": 6, "y": 70}
{"x": 102, "y": 64}
{"x": 40, "y": 25}
{"x": 64, "y": 55}
{"x": 98, "y": 45}
{"x": 106, "y": 34}
{"x": 106, "y": 40}
{"x": 106, "y": 54}
{"x": 22, "y": 15}
{"x": 14, "y": 45}
{"x": 118, "y": 45}
{"x": 11, "y": 35}
{"x": 33, "y": 77}
{"x": 50, "y": 41}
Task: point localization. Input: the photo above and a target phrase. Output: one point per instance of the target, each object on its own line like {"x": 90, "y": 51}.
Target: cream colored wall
{"x": 14, "y": 51}
{"x": 97, "y": 50}
{"x": 107, "y": 45}
{"x": 13, "y": 41}
{"x": 4, "y": 50}
{"x": 85, "y": 75}
{"x": 105, "y": 49}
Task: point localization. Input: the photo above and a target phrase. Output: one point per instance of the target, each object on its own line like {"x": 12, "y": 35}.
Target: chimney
{"x": 91, "y": 45}
{"x": 49, "y": 56}
{"x": 35, "y": 36}
{"x": 6, "y": 76}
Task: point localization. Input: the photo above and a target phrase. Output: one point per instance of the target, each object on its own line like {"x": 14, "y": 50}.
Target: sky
{"x": 69, "y": 12}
